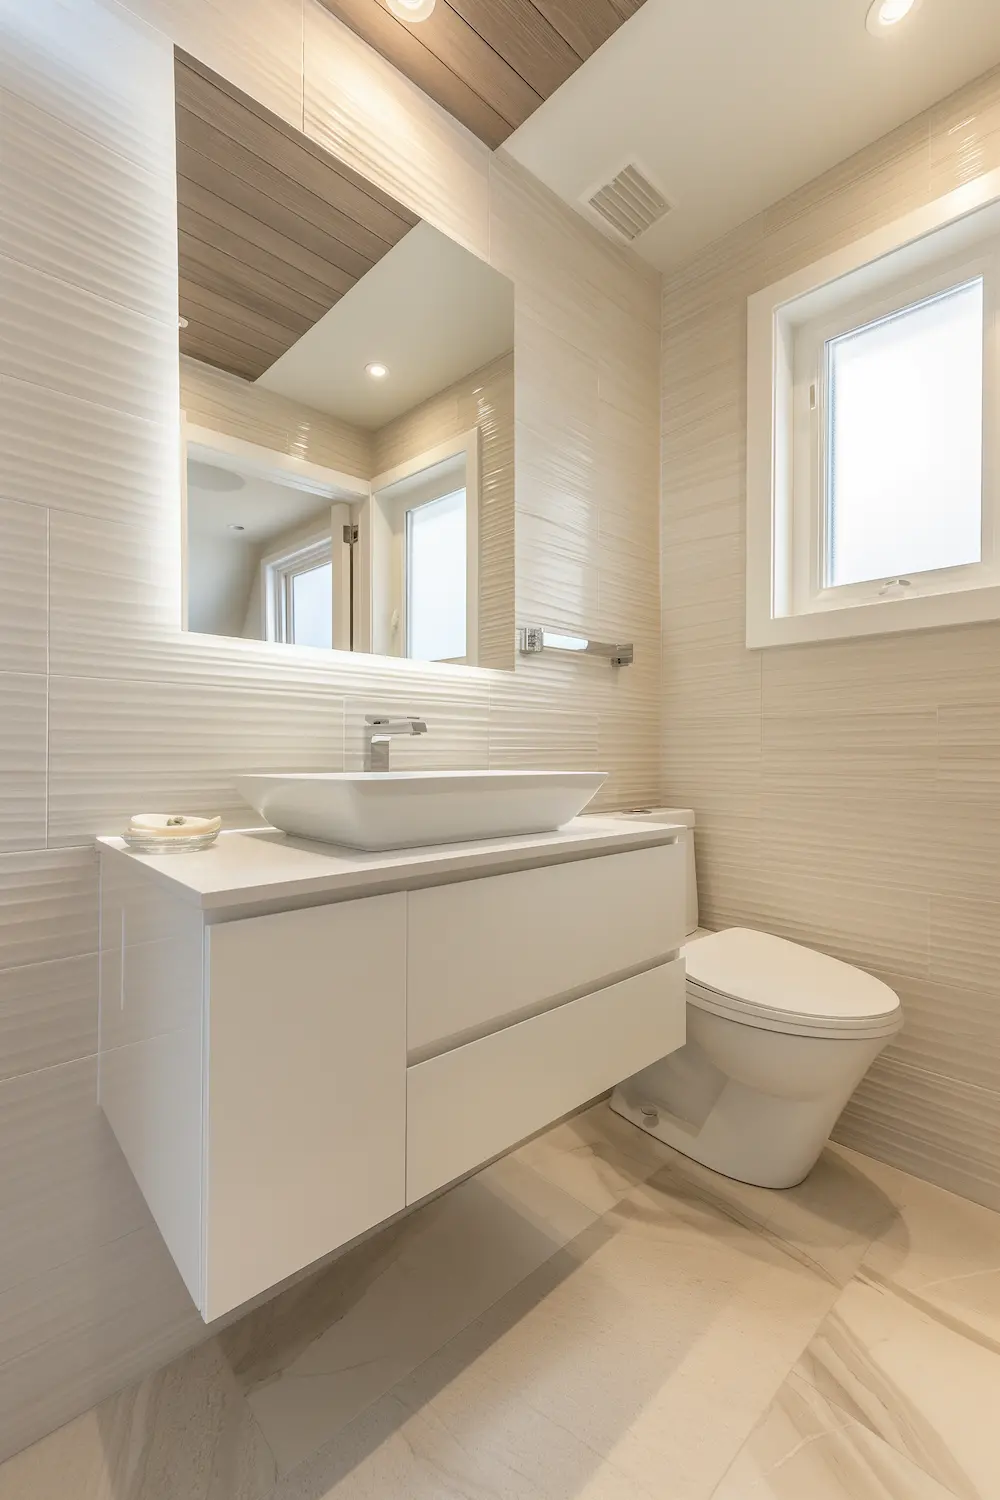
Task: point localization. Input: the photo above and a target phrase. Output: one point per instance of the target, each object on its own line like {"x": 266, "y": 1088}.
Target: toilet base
{"x": 777, "y": 1156}
{"x": 757, "y": 1106}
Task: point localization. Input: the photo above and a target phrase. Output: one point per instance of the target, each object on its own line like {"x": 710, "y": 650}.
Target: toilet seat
{"x": 774, "y": 985}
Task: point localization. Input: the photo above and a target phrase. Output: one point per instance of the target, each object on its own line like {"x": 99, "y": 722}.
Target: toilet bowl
{"x": 778, "y": 1038}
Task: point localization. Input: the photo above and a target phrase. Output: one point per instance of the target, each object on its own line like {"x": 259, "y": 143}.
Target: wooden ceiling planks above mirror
{"x": 489, "y": 64}
{"x": 272, "y": 231}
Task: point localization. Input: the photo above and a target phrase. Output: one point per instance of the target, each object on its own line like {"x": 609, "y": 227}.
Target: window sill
{"x": 880, "y": 617}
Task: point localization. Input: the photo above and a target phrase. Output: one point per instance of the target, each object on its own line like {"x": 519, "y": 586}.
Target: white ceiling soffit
{"x": 428, "y": 310}
{"x": 730, "y": 105}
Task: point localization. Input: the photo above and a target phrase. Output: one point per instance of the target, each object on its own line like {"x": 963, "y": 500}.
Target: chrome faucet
{"x": 378, "y": 737}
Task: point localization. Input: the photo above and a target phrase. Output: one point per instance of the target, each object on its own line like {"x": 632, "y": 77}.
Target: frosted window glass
{"x": 435, "y": 579}
{"x": 312, "y": 607}
{"x": 905, "y": 441}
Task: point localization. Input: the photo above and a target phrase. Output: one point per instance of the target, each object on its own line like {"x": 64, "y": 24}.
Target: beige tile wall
{"x": 106, "y": 706}
{"x": 848, "y": 793}
{"x": 226, "y": 403}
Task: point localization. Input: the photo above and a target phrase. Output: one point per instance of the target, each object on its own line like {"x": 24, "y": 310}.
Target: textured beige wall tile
{"x": 23, "y": 760}
{"x": 48, "y": 905}
{"x": 64, "y": 1186}
{"x": 965, "y": 135}
{"x": 23, "y": 587}
{"x": 262, "y": 54}
{"x": 105, "y": 226}
{"x": 96, "y": 68}
{"x": 928, "y": 1124}
{"x": 225, "y": 403}
{"x": 175, "y": 746}
{"x": 48, "y": 1014}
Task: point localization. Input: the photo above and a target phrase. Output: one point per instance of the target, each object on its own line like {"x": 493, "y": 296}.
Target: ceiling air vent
{"x": 629, "y": 204}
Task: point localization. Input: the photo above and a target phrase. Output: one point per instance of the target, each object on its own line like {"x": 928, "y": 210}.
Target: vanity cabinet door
{"x": 306, "y": 1104}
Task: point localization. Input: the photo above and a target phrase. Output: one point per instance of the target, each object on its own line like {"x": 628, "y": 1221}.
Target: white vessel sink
{"x": 405, "y": 809}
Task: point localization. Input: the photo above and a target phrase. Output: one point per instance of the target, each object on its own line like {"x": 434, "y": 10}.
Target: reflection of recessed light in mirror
{"x": 235, "y": 526}
{"x": 411, "y": 10}
{"x": 884, "y": 14}
{"x": 377, "y": 370}
{"x": 211, "y": 477}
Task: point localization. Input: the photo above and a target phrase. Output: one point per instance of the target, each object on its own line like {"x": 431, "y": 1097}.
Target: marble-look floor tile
{"x": 828, "y": 1221}
{"x": 635, "y": 1362}
{"x": 184, "y": 1433}
{"x": 942, "y": 1254}
{"x": 929, "y": 1390}
{"x": 322, "y": 1352}
{"x": 596, "y": 1157}
{"x": 807, "y": 1449}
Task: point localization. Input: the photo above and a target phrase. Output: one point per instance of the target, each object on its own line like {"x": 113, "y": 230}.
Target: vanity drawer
{"x": 472, "y": 1103}
{"x": 485, "y": 952}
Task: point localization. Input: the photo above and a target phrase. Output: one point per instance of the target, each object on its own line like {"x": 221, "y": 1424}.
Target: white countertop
{"x": 245, "y": 873}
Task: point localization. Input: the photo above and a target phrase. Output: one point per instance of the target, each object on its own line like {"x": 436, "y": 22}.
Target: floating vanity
{"x": 299, "y": 1041}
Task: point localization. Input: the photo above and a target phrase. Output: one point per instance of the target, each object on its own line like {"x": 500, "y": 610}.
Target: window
{"x": 873, "y": 437}
{"x": 904, "y": 433}
{"x": 300, "y": 585}
{"x": 435, "y": 579}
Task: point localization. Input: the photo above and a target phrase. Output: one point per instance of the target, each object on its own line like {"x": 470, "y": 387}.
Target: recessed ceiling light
{"x": 884, "y": 14}
{"x": 377, "y": 370}
{"x": 182, "y": 322}
{"x": 411, "y": 10}
{"x": 235, "y": 526}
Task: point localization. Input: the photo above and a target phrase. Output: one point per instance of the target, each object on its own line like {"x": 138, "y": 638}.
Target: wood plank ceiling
{"x": 490, "y": 63}
{"x": 272, "y": 229}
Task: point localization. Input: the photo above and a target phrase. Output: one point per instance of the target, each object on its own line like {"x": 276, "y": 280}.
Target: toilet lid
{"x": 744, "y": 970}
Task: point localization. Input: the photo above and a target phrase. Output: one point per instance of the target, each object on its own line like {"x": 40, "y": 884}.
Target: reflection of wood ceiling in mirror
{"x": 272, "y": 229}
{"x": 490, "y": 63}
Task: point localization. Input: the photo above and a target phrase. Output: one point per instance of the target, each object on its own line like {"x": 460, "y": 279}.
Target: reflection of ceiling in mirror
{"x": 297, "y": 272}
{"x": 272, "y": 229}
{"x": 263, "y": 508}
{"x": 430, "y": 311}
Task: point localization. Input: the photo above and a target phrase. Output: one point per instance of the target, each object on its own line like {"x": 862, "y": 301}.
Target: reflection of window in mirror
{"x": 424, "y": 541}
{"x": 268, "y": 545}
{"x": 435, "y": 579}
{"x": 300, "y": 585}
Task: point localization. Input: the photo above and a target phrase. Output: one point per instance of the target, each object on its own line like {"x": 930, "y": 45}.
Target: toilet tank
{"x": 684, "y": 817}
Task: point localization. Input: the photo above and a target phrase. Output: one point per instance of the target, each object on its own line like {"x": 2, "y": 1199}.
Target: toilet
{"x": 778, "y": 1038}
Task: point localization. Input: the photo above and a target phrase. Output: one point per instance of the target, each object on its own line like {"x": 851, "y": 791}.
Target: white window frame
{"x": 950, "y": 242}
{"x": 280, "y": 570}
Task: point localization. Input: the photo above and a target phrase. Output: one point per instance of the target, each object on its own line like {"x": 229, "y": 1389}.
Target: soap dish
{"x": 169, "y": 843}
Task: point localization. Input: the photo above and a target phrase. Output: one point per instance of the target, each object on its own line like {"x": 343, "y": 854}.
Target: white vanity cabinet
{"x": 298, "y": 1042}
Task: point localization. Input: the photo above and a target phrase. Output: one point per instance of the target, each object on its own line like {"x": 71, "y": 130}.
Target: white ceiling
{"x": 731, "y": 104}
{"x": 264, "y": 508}
{"x": 429, "y": 310}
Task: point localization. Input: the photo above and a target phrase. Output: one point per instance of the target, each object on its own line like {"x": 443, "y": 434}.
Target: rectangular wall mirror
{"x": 308, "y": 291}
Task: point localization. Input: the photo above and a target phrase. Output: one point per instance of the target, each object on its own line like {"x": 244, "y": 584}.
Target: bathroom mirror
{"x": 347, "y": 393}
